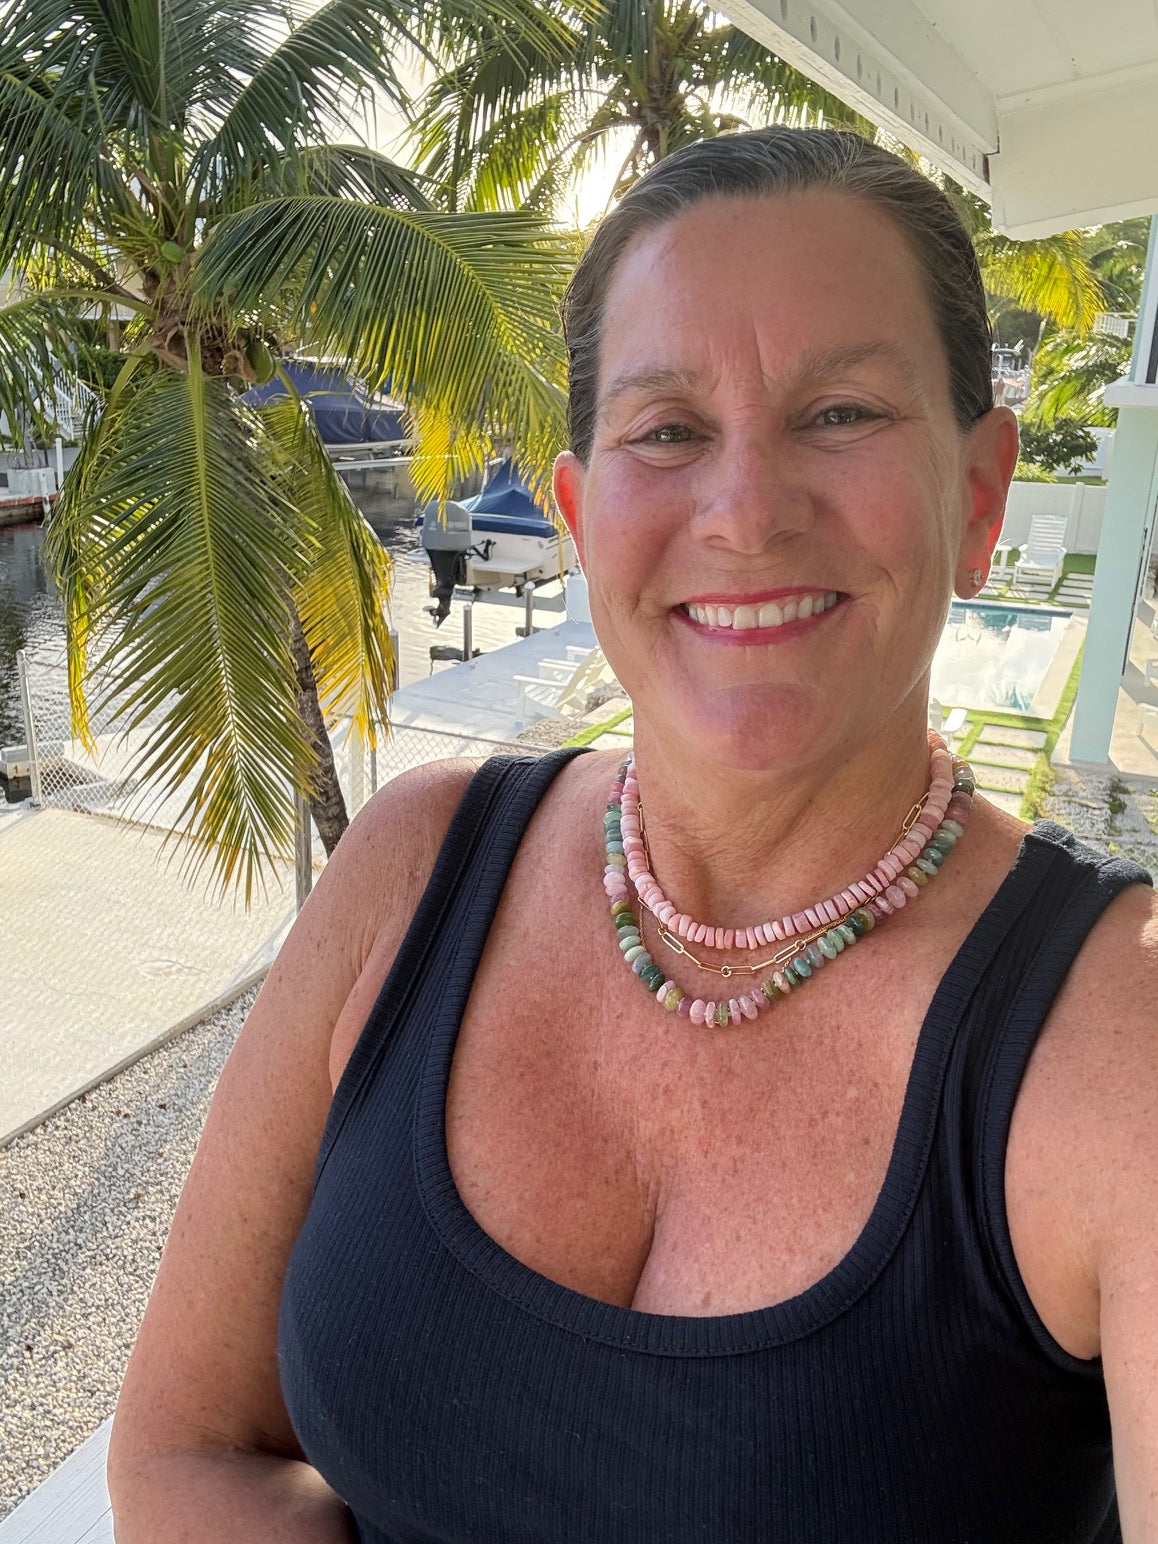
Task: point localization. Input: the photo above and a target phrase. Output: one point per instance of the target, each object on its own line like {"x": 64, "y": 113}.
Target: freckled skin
{"x": 759, "y": 477}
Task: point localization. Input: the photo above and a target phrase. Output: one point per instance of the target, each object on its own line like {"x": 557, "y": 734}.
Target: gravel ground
{"x": 1111, "y": 811}
{"x": 86, "y": 1201}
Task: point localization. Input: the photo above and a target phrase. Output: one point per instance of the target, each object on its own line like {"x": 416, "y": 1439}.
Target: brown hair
{"x": 781, "y": 160}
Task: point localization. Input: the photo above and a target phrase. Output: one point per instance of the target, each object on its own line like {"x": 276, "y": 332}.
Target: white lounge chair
{"x": 561, "y": 686}
{"x": 948, "y": 724}
{"x": 1043, "y": 556}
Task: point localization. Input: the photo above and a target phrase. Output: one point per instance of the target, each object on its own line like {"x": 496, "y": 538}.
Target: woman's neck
{"x": 736, "y": 848}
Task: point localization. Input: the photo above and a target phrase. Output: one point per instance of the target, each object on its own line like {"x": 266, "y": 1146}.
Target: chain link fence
{"x": 111, "y": 945}
{"x": 63, "y": 775}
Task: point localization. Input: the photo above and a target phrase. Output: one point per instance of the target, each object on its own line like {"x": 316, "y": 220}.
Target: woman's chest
{"x": 642, "y": 1160}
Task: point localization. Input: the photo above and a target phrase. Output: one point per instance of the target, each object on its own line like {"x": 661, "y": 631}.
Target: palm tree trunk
{"x": 327, "y": 805}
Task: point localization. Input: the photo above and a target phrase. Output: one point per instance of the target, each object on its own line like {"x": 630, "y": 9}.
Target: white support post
{"x": 29, "y": 728}
{"x": 1127, "y": 525}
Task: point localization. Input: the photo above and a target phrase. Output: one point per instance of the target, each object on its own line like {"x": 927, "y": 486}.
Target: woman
{"x": 626, "y": 1226}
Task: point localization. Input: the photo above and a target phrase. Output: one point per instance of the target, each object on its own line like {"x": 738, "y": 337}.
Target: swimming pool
{"x": 995, "y": 655}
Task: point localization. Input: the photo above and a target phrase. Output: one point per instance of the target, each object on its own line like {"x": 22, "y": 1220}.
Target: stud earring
{"x": 975, "y": 578}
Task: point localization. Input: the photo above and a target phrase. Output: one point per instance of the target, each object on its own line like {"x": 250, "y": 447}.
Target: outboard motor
{"x": 446, "y": 543}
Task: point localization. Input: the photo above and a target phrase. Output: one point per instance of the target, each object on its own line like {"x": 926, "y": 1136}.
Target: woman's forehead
{"x": 815, "y": 282}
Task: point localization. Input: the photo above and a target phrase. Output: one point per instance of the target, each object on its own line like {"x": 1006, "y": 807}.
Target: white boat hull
{"x": 513, "y": 558}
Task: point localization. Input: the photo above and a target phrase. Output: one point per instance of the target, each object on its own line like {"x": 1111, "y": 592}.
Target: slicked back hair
{"x": 771, "y": 162}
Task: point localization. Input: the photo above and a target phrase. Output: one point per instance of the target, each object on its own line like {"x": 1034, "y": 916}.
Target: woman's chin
{"x": 752, "y": 728}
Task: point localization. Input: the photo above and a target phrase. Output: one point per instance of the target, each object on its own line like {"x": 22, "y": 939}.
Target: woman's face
{"x": 774, "y": 437}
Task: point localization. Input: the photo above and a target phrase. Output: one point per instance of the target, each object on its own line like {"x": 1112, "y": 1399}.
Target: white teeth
{"x": 742, "y": 617}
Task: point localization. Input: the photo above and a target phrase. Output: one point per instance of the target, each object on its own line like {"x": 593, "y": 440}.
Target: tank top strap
{"x": 1001, "y": 1022}
{"x": 450, "y": 925}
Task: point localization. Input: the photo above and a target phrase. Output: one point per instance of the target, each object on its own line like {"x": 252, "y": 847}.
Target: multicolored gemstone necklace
{"x": 808, "y": 939}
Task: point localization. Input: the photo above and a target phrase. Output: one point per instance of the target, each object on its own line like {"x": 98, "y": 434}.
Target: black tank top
{"x": 451, "y": 1395}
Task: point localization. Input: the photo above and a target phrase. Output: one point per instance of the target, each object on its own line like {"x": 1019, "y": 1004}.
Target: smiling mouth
{"x": 744, "y": 617}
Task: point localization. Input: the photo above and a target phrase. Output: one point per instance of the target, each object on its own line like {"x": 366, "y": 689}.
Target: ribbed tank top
{"x": 452, "y": 1395}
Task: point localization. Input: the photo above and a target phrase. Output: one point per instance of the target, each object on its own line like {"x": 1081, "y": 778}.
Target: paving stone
{"x": 608, "y": 742}
{"x": 1003, "y": 778}
{"x": 985, "y": 752}
{"x": 995, "y": 734}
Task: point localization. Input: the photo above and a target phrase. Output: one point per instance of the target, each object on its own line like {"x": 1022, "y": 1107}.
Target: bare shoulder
{"x": 1103, "y": 1027}
{"x": 1093, "y": 1079}
{"x": 203, "y": 1372}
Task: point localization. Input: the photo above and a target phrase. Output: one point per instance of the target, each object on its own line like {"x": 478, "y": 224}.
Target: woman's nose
{"x": 752, "y": 497}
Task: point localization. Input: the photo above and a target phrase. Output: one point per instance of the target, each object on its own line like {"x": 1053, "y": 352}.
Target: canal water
{"x": 31, "y": 616}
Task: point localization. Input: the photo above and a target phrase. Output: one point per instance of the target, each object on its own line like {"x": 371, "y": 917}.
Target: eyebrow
{"x": 813, "y": 365}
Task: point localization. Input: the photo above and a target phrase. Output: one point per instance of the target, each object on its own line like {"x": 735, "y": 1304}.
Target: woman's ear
{"x": 569, "y": 474}
{"x": 991, "y": 456}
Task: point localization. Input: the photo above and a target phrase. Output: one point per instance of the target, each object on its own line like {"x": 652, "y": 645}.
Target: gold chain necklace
{"x": 782, "y": 957}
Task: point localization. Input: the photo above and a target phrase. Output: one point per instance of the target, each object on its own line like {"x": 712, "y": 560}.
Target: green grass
{"x": 1079, "y": 562}
{"x": 585, "y": 736}
{"x": 1041, "y": 777}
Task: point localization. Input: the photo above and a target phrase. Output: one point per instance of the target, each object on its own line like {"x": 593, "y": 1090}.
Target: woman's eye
{"x": 667, "y": 434}
{"x": 843, "y": 413}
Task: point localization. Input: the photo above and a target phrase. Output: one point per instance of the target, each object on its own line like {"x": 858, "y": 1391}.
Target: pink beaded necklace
{"x": 808, "y": 938}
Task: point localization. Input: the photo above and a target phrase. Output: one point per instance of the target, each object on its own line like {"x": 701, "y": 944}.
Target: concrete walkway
{"x": 106, "y": 953}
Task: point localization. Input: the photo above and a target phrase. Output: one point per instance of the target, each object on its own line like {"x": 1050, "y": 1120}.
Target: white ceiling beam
{"x": 1082, "y": 152}
{"x": 1077, "y": 155}
{"x": 894, "y": 66}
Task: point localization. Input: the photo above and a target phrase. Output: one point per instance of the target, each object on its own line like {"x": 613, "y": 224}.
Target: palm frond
{"x": 474, "y": 111}
{"x": 72, "y": 553}
{"x": 343, "y": 595}
{"x": 1070, "y": 373}
{"x": 194, "y": 545}
{"x": 352, "y": 171}
{"x": 291, "y": 94}
{"x": 455, "y": 314}
{"x": 744, "y": 66}
{"x": 34, "y": 332}
{"x": 50, "y": 152}
{"x": 1050, "y": 276}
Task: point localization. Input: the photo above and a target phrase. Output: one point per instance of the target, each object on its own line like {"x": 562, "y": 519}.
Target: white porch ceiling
{"x": 1047, "y": 108}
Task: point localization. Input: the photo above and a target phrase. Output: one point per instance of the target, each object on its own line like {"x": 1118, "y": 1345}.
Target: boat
{"x": 497, "y": 539}
{"x": 349, "y": 418}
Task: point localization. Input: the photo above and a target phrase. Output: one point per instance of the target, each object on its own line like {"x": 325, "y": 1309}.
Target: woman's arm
{"x": 1122, "y": 998}
{"x": 207, "y": 1497}
{"x": 201, "y": 1440}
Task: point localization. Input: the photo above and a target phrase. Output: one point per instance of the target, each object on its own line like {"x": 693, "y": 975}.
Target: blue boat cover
{"x": 344, "y": 411}
{"x": 507, "y": 496}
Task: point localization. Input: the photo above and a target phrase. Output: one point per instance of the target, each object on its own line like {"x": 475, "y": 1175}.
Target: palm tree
{"x": 641, "y": 78}
{"x": 182, "y": 163}
{"x": 646, "y": 76}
